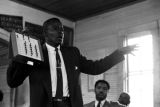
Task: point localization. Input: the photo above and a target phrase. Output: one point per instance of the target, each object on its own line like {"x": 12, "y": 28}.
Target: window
{"x": 139, "y": 70}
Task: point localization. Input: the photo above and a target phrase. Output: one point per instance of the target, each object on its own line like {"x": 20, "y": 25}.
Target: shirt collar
{"x": 51, "y": 48}
{"x": 102, "y": 102}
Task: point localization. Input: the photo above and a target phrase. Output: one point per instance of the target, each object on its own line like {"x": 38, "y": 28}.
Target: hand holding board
{"x": 25, "y": 47}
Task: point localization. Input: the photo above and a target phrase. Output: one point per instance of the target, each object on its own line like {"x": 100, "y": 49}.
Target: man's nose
{"x": 61, "y": 29}
{"x": 61, "y": 33}
{"x": 101, "y": 90}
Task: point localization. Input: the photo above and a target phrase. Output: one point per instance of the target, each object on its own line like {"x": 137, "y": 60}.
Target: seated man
{"x": 124, "y": 99}
{"x": 101, "y": 89}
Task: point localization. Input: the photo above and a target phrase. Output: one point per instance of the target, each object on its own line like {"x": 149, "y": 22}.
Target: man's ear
{"x": 62, "y": 38}
{"x": 95, "y": 89}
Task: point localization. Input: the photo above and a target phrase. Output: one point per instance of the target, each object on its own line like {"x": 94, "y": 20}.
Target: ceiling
{"x": 75, "y": 10}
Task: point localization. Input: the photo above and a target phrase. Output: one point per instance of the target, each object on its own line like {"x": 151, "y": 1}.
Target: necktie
{"x": 99, "y": 103}
{"x": 59, "y": 91}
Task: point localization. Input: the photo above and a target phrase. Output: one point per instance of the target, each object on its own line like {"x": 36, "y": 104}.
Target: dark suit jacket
{"x": 116, "y": 104}
{"x": 40, "y": 79}
{"x": 106, "y": 104}
{"x": 92, "y": 104}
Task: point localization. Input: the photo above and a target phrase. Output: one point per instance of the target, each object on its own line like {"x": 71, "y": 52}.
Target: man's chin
{"x": 59, "y": 41}
{"x": 100, "y": 98}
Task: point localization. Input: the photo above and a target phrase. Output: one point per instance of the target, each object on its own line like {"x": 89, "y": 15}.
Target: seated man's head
{"x": 124, "y": 98}
{"x": 101, "y": 89}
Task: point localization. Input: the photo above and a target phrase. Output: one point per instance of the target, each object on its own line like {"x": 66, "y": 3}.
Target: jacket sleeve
{"x": 16, "y": 73}
{"x": 100, "y": 66}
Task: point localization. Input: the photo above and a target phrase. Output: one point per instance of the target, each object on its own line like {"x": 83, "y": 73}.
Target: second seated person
{"x": 52, "y": 86}
{"x": 101, "y": 90}
{"x": 124, "y": 99}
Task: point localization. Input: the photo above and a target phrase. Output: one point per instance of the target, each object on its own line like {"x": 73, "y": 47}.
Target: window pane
{"x": 140, "y": 72}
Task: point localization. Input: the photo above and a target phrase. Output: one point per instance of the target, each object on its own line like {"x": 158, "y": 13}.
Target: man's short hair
{"x": 50, "y": 21}
{"x": 125, "y": 93}
{"x": 102, "y": 81}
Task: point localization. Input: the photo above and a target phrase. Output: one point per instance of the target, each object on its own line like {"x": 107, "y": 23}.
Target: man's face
{"x": 54, "y": 34}
{"x": 101, "y": 91}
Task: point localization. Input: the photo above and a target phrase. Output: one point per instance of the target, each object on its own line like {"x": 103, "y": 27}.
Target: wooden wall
{"x": 104, "y": 32}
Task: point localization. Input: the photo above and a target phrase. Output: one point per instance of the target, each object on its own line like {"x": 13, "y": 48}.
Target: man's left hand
{"x": 128, "y": 49}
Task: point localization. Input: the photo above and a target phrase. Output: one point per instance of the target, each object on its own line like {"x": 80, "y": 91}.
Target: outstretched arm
{"x": 104, "y": 64}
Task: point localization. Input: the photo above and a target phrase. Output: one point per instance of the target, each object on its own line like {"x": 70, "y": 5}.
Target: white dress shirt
{"x": 102, "y": 103}
{"x": 52, "y": 62}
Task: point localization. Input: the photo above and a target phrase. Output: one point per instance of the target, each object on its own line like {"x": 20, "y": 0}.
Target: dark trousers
{"x": 62, "y": 103}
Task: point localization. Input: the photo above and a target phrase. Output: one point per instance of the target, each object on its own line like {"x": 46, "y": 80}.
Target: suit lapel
{"x": 65, "y": 55}
{"x": 46, "y": 77}
{"x": 106, "y": 104}
{"x": 91, "y": 104}
{"x": 45, "y": 54}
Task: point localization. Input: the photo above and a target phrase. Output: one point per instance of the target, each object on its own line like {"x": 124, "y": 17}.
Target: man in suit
{"x": 101, "y": 90}
{"x": 55, "y": 82}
